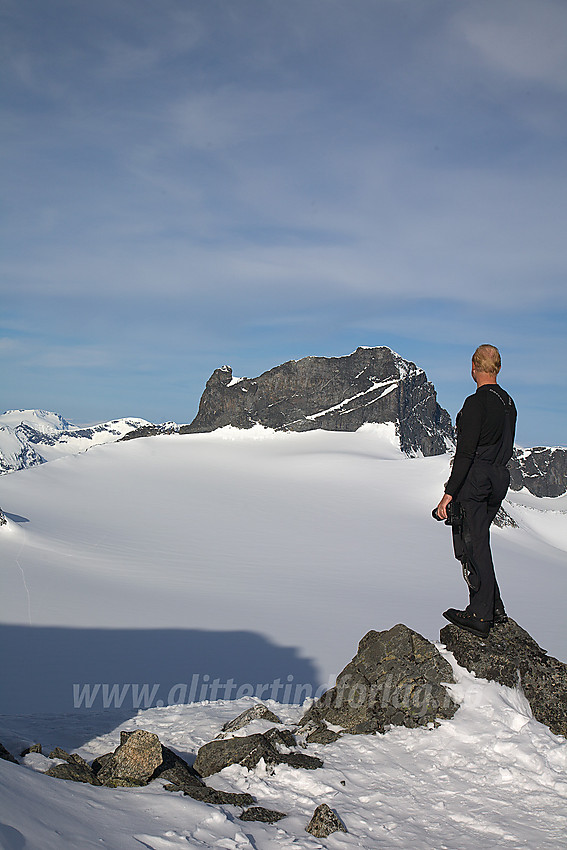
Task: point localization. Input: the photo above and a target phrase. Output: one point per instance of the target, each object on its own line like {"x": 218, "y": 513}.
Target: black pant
{"x": 480, "y": 498}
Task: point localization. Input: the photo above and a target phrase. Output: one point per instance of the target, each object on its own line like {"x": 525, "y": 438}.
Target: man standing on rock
{"x": 478, "y": 483}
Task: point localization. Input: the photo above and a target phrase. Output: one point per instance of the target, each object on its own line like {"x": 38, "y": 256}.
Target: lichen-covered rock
{"x": 59, "y": 753}
{"x": 75, "y": 771}
{"x": 395, "y": 678}
{"x": 259, "y": 813}
{"x": 282, "y": 739}
{"x": 510, "y": 655}
{"x": 133, "y": 762}
{"x": 34, "y": 748}
{"x": 100, "y": 761}
{"x": 324, "y": 822}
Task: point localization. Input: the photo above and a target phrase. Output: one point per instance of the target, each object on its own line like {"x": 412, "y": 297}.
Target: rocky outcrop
{"x": 259, "y": 813}
{"x": 333, "y": 393}
{"x": 396, "y": 678}
{"x": 324, "y": 822}
{"x": 150, "y": 431}
{"x": 542, "y": 470}
{"x": 73, "y": 768}
{"x": 257, "y": 712}
{"x": 139, "y": 759}
{"x": 134, "y": 762}
{"x": 509, "y": 655}
{"x": 272, "y": 747}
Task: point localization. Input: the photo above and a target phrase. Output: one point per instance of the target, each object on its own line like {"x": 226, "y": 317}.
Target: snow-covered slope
{"x": 31, "y": 437}
{"x": 492, "y": 777}
{"x": 261, "y": 558}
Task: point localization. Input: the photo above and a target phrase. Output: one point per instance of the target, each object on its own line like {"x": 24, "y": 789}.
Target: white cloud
{"x": 526, "y": 39}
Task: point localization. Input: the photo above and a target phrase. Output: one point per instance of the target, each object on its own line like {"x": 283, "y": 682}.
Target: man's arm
{"x": 468, "y": 435}
{"x": 441, "y": 509}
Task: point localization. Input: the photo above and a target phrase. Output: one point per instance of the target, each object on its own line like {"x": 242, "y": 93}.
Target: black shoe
{"x": 469, "y": 622}
{"x": 500, "y": 616}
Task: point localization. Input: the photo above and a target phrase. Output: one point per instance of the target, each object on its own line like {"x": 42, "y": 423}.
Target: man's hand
{"x": 441, "y": 508}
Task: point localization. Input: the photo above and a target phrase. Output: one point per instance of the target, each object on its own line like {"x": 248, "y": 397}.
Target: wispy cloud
{"x": 265, "y": 178}
{"x": 523, "y": 39}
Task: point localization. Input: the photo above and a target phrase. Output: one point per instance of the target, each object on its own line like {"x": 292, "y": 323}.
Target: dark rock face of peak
{"x": 333, "y": 393}
{"x": 543, "y": 471}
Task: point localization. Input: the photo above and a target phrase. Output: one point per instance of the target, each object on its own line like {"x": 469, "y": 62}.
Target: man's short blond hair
{"x": 487, "y": 359}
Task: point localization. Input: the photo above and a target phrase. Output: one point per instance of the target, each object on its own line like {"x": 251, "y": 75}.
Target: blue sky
{"x": 189, "y": 183}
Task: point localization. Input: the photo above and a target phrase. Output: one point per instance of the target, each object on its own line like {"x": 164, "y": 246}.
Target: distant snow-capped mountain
{"x": 31, "y": 437}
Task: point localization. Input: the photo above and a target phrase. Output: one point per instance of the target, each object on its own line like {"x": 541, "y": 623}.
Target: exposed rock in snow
{"x": 134, "y": 761}
{"x": 334, "y": 394}
{"x": 259, "y": 813}
{"x": 248, "y": 751}
{"x": 541, "y": 470}
{"x": 257, "y": 712}
{"x": 509, "y": 655}
{"x": 396, "y": 678}
{"x": 324, "y": 822}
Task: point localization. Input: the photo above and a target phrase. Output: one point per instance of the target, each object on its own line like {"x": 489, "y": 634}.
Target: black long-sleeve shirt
{"x": 480, "y": 423}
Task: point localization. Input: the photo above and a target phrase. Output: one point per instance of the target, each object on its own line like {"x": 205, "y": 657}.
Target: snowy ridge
{"x": 42, "y": 421}
{"x": 32, "y": 437}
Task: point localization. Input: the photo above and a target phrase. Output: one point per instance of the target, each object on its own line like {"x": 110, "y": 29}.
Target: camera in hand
{"x": 454, "y": 514}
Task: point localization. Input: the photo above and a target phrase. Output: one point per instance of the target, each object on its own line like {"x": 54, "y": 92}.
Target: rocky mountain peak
{"x": 332, "y": 393}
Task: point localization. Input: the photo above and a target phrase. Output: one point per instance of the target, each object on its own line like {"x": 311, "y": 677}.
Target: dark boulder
{"x": 272, "y": 746}
{"x": 75, "y": 771}
{"x": 60, "y": 753}
{"x": 332, "y": 393}
{"x": 259, "y": 813}
{"x": 324, "y": 822}
{"x": 510, "y": 655}
{"x": 395, "y": 678}
{"x": 4, "y": 754}
{"x": 139, "y": 759}
{"x": 282, "y": 739}
{"x": 204, "y": 794}
{"x": 247, "y": 751}
{"x": 256, "y": 712}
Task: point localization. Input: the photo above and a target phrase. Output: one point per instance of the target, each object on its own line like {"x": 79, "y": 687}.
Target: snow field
{"x": 257, "y": 555}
